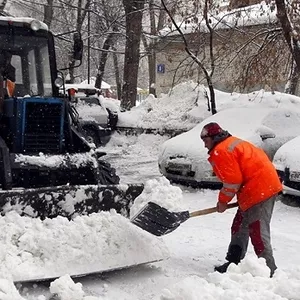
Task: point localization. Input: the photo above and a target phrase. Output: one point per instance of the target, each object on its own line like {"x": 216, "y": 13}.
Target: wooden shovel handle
{"x": 210, "y": 210}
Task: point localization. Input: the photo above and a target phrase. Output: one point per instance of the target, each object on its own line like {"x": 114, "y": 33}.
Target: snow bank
{"x": 187, "y": 105}
{"x": 249, "y": 280}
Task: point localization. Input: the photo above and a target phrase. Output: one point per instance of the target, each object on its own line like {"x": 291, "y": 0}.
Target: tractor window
{"x": 32, "y": 73}
{"x": 45, "y": 70}
{"x": 16, "y": 63}
{"x": 39, "y": 71}
{"x": 31, "y": 59}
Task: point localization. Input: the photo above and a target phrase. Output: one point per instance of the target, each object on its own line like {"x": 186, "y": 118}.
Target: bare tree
{"x": 134, "y": 15}
{"x": 149, "y": 47}
{"x": 286, "y": 15}
{"x": 48, "y": 12}
{"x": 2, "y": 5}
{"x": 109, "y": 21}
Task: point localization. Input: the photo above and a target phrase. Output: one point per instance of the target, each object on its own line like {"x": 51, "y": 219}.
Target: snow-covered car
{"x": 92, "y": 108}
{"x": 96, "y": 115}
{"x": 95, "y": 108}
{"x": 287, "y": 164}
{"x": 97, "y": 120}
{"x": 183, "y": 159}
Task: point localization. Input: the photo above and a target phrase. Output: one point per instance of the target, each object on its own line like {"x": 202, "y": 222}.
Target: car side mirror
{"x": 267, "y": 136}
{"x": 266, "y": 132}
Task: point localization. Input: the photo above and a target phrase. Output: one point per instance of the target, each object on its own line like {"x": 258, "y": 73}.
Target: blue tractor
{"x": 45, "y": 156}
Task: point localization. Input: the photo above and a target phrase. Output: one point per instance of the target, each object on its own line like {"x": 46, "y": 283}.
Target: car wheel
{"x": 112, "y": 118}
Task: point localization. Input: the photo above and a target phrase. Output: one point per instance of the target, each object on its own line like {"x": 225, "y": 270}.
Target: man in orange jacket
{"x": 247, "y": 173}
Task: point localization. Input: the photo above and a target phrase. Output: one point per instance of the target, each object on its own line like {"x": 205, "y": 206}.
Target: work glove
{"x": 221, "y": 207}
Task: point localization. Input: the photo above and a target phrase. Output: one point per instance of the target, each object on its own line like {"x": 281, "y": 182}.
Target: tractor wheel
{"x": 107, "y": 173}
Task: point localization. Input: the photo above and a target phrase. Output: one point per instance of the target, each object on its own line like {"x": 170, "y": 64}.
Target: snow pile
{"x": 251, "y": 275}
{"x": 187, "y": 105}
{"x": 178, "y": 110}
{"x": 161, "y": 192}
{"x": 31, "y": 248}
{"x": 65, "y": 289}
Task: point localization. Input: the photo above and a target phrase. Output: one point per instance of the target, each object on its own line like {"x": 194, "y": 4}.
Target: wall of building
{"x": 240, "y": 62}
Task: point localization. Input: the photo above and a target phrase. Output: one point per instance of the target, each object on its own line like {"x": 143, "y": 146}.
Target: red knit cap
{"x": 210, "y": 130}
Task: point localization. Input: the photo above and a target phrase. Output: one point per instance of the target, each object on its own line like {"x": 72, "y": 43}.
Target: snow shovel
{"x": 159, "y": 221}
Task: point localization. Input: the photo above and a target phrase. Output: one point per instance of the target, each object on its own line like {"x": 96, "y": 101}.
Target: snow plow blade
{"x": 35, "y": 250}
{"x": 69, "y": 201}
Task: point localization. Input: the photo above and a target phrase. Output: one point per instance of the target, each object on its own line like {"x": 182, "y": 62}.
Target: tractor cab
{"x": 35, "y": 117}
{"x": 31, "y": 49}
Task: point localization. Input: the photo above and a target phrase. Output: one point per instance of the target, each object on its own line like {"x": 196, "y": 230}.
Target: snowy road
{"x": 195, "y": 247}
{"x": 134, "y": 157}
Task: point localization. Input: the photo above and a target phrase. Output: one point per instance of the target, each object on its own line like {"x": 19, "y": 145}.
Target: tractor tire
{"x": 107, "y": 173}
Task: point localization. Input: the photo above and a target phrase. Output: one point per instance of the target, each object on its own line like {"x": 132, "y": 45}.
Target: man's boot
{"x": 233, "y": 256}
{"x": 222, "y": 268}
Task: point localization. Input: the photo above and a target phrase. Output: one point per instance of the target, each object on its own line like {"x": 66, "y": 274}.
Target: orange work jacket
{"x": 245, "y": 171}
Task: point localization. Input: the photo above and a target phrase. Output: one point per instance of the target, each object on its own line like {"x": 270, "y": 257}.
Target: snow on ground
{"x": 194, "y": 248}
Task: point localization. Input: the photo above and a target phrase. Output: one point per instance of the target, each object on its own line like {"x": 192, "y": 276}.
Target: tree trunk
{"x": 292, "y": 43}
{"x": 151, "y": 50}
{"x": 48, "y": 13}
{"x": 151, "y": 55}
{"x": 152, "y": 70}
{"x": 117, "y": 74}
{"x": 134, "y": 15}
{"x": 104, "y": 54}
{"x": 292, "y": 83}
{"x": 108, "y": 43}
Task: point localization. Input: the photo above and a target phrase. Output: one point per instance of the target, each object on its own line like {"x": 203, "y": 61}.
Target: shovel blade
{"x": 158, "y": 220}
